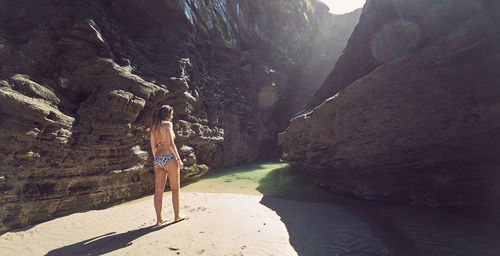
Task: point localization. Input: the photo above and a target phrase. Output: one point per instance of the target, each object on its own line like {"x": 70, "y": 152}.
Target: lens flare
{"x": 268, "y": 96}
{"x": 395, "y": 40}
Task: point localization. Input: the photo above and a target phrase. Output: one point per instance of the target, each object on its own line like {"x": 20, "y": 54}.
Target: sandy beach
{"x": 248, "y": 221}
{"x": 291, "y": 127}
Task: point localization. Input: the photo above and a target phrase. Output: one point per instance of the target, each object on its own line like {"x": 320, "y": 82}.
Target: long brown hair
{"x": 163, "y": 114}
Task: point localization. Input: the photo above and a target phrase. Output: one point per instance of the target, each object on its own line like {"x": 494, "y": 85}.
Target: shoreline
{"x": 239, "y": 224}
{"x": 261, "y": 209}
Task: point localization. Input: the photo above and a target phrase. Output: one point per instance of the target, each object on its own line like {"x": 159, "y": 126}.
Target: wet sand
{"x": 262, "y": 209}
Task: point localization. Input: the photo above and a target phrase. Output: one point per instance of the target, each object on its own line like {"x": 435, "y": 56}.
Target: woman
{"x": 166, "y": 161}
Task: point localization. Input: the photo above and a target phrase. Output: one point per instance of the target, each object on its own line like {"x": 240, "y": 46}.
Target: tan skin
{"x": 164, "y": 133}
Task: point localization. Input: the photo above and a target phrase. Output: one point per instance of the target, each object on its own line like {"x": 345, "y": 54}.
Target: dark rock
{"x": 390, "y": 30}
{"x": 418, "y": 124}
{"x": 327, "y": 46}
{"x": 80, "y": 80}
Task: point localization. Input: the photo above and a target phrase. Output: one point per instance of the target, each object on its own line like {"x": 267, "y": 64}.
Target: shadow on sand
{"x": 106, "y": 243}
{"x": 328, "y": 224}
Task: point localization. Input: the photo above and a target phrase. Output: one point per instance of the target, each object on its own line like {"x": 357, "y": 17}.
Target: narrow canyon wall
{"x": 327, "y": 46}
{"x": 411, "y": 111}
{"x": 80, "y": 81}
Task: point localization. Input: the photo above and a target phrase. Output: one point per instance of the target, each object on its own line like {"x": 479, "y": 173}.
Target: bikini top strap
{"x": 161, "y": 143}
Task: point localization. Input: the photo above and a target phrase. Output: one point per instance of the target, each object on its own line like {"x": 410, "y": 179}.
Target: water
{"x": 276, "y": 179}
{"x": 346, "y": 226}
{"x": 259, "y": 209}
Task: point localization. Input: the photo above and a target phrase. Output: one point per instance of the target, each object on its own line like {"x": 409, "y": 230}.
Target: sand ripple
{"x": 235, "y": 224}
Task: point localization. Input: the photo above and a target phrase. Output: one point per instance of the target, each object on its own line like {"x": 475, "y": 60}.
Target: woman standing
{"x": 166, "y": 161}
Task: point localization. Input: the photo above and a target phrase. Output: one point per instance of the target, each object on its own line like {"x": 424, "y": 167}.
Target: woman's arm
{"x": 152, "y": 140}
{"x": 171, "y": 145}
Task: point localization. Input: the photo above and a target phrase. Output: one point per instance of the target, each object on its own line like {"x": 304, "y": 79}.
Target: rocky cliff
{"x": 80, "y": 81}
{"x": 410, "y": 112}
{"x": 327, "y": 46}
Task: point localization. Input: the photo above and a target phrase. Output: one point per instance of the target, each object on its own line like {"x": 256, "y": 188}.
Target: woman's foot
{"x": 159, "y": 222}
{"x": 178, "y": 218}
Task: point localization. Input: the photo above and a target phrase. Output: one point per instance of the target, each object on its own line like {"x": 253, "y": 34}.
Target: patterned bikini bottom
{"x": 162, "y": 160}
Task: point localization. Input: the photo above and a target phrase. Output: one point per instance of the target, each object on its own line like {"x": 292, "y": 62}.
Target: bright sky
{"x": 343, "y": 6}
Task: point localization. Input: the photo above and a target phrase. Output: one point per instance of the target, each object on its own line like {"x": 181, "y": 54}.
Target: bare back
{"x": 163, "y": 136}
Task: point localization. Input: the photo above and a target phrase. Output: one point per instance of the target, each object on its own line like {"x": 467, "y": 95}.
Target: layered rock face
{"x": 74, "y": 116}
{"x": 412, "y": 108}
{"x": 80, "y": 81}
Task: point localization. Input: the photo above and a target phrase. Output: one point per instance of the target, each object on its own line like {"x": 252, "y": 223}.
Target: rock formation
{"x": 410, "y": 112}
{"x": 327, "y": 47}
{"x": 80, "y": 80}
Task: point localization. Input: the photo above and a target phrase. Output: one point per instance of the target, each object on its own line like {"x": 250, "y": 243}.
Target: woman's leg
{"x": 174, "y": 181}
{"x": 160, "y": 180}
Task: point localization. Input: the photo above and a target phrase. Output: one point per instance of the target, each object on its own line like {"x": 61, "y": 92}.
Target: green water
{"x": 349, "y": 225}
{"x": 268, "y": 179}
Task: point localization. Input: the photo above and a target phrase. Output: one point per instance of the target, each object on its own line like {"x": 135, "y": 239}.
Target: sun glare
{"x": 343, "y": 6}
